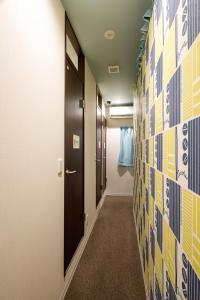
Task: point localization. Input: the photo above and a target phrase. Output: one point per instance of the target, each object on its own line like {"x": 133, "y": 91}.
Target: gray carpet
{"x": 110, "y": 266}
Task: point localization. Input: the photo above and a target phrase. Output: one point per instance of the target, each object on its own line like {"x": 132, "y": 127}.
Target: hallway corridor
{"x": 110, "y": 266}
{"x": 100, "y": 150}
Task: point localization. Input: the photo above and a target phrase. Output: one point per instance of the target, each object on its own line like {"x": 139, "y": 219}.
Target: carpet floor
{"x": 110, "y": 265}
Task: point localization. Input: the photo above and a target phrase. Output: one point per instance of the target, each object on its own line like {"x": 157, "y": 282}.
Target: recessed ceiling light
{"x": 109, "y": 35}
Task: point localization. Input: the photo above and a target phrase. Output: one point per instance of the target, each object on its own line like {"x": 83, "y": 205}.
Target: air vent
{"x": 121, "y": 112}
{"x": 113, "y": 69}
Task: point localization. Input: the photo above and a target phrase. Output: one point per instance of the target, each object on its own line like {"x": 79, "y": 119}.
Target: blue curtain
{"x": 126, "y": 147}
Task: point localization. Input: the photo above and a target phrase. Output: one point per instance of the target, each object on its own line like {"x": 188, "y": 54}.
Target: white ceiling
{"x": 90, "y": 19}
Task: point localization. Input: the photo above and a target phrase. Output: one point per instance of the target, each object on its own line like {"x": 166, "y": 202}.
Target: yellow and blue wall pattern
{"x": 167, "y": 152}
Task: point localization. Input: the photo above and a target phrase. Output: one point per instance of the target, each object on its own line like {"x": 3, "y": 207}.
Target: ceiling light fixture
{"x": 109, "y": 35}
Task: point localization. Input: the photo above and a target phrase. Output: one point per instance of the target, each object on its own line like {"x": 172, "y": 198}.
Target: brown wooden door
{"x": 104, "y": 152}
{"x": 99, "y": 157}
{"x": 74, "y": 164}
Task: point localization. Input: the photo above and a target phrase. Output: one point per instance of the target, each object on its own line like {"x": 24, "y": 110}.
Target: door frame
{"x": 104, "y": 159}
{"x": 81, "y": 74}
{"x": 98, "y": 106}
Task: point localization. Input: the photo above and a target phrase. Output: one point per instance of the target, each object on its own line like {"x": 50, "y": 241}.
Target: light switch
{"x": 59, "y": 166}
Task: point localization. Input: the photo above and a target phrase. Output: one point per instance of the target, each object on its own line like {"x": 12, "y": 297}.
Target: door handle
{"x": 98, "y": 160}
{"x": 68, "y": 172}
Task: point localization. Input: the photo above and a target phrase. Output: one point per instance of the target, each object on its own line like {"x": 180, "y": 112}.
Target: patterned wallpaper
{"x": 167, "y": 152}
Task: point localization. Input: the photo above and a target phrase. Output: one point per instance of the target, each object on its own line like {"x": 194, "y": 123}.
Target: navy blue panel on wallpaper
{"x": 147, "y": 200}
{"x": 173, "y": 6}
{"x": 158, "y": 9}
{"x": 144, "y": 216}
{"x": 147, "y": 251}
{"x": 194, "y": 155}
{"x": 159, "y": 226}
{"x": 144, "y": 179}
{"x": 175, "y": 99}
{"x": 143, "y": 258}
{"x": 152, "y": 59}
{"x": 159, "y": 75}
{"x": 193, "y": 284}
{"x": 157, "y": 290}
{"x": 151, "y": 294}
{"x": 141, "y": 226}
{"x": 147, "y": 51}
{"x": 147, "y": 101}
{"x": 159, "y": 151}
{"x": 175, "y": 208}
{"x": 147, "y": 151}
{"x": 193, "y": 20}
{"x": 152, "y": 241}
{"x": 139, "y": 170}
{"x": 144, "y": 129}
{"x": 172, "y": 295}
{"x": 152, "y": 182}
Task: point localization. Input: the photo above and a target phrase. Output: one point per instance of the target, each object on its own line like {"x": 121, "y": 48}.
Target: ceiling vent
{"x": 113, "y": 69}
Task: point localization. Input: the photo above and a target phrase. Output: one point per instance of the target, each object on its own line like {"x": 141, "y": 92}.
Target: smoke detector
{"x": 113, "y": 69}
{"x": 109, "y": 34}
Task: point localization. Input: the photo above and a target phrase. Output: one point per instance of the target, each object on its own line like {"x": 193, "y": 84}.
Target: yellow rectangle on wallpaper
{"x": 169, "y": 153}
{"x": 159, "y": 114}
{"x": 159, "y": 190}
{"x": 147, "y": 126}
{"x": 191, "y": 82}
{"x": 159, "y": 40}
{"x": 151, "y": 92}
{"x": 151, "y": 34}
{"x": 139, "y": 87}
{"x": 169, "y": 56}
{"x": 143, "y": 67}
{"x": 143, "y": 109}
{"x": 147, "y": 77}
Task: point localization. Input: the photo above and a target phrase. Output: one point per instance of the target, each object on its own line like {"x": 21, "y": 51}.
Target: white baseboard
{"x": 77, "y": 256}
{"x": 141, "y": 263}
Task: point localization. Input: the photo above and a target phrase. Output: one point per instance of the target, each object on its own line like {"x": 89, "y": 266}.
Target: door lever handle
{"x": 68, "y": 172}
{"x": 98, "y": 160}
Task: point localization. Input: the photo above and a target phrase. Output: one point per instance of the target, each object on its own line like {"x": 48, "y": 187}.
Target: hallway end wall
{"x": 119, "y": 179}
{"x": 167, "y": 156}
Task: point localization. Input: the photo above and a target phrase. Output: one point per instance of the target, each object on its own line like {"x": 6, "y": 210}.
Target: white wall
{"x": 90, "y": 146}
{"x": 31, "y": 139}
{"x": 119, "y": 179}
